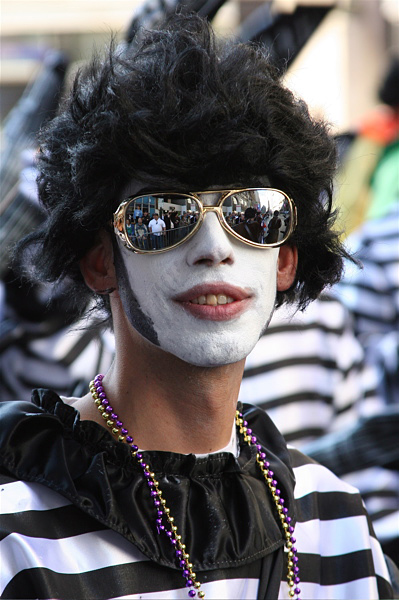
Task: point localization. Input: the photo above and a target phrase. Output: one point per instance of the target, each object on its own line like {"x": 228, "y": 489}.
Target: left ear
{"x": 286, "y": 267}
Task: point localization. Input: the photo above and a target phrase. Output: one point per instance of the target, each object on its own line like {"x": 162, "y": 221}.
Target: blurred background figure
{"x": 368, "y": 182}
{"x": 372, "y": 294}
{"x": 35, "y": 318}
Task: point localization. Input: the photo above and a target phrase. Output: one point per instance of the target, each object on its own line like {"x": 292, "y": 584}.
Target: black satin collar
{"x": 221, "y": 506}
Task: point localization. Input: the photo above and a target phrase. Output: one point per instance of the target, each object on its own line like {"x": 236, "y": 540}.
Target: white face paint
{"x": 168, "y": 290}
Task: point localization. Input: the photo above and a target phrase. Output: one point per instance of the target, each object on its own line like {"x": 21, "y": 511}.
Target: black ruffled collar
{"x": 220, "y": 503}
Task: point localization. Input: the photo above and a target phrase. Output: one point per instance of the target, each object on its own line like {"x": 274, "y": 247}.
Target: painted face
{"x": 206, "y": 301}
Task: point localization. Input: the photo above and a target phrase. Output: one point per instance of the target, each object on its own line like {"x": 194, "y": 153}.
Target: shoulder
{"x": 312, "y": 476}
{"x": 321, "y": 495}
{"x": 20, "y": 497}
{"x": 49, "y": 544}
{"x": 12, "y": 414}
{"x": 336, "y": 542}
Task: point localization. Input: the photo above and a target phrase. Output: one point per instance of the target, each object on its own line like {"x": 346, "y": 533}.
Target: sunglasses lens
{"x": 263, "y": 216}
{"x": 180, "y": 214}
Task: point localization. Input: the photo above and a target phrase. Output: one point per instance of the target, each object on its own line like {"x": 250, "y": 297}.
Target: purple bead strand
{"x": 288, "y": 530}
{"x": 164, "y": 521}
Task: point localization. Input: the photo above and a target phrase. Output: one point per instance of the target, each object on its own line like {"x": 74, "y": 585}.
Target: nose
{"x": 211, "y": 245}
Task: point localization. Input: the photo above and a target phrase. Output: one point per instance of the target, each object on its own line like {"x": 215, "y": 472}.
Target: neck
{"x": 177, "y": 407}
{"x": 167, "y": 404}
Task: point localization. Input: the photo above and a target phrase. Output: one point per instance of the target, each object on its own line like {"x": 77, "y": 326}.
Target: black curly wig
{"x": 182, "y": 110}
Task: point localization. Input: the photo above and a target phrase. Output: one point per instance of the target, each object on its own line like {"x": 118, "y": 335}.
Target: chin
{"x": 211, "y": 354}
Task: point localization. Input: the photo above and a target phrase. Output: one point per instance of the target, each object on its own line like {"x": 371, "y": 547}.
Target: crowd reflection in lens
{"x": 161, "y": 230}
{"x": 165, "y": 225}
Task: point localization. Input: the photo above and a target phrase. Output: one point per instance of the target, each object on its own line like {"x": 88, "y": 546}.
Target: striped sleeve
{"x": 44, "y": 538}
{"x": 372, "y": 294}
{"x": 339, "y": 555}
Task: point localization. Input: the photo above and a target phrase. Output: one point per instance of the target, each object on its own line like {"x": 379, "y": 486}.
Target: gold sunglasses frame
{"x": 119, "y": 218}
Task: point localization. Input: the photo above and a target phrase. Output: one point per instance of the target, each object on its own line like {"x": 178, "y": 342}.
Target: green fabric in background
{"x": 385, "y": 183}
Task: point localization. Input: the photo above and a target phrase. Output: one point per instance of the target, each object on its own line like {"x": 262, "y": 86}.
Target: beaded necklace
{"x": 164, "y": 520}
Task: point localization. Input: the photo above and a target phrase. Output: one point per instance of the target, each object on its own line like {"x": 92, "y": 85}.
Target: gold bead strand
{"x": 163, "y": 512}
{"x": 288, "y": 530}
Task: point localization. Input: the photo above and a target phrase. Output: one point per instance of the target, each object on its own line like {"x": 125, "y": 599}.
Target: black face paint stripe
{"x": 142, "y": 324}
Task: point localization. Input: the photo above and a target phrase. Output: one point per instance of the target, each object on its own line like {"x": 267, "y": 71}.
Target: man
{"x": 169, "y": 225}
{"x": 146, "y": 218}
{"x": 137, "y": 213}
{"x": 141, "y": 233}
{"x": 156, "y": 227}
{"x": 274, "y": 228}
{"x": 250, "y": 228}
{"x": 161, "y": 486}
{"x": 129, "y": 227}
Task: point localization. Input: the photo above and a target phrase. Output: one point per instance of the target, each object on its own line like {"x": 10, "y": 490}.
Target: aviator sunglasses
{"x": 268, "y": 225}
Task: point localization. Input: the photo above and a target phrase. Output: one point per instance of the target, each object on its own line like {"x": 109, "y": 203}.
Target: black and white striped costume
{"x": 309, "y": 373}
{"x": 77, "y": 522}
{"x": 372, "y": 293}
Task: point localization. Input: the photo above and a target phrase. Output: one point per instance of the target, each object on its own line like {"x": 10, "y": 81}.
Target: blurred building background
{"x": 337, "y": 71}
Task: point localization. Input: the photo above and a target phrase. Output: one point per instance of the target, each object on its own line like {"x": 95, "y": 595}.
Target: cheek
{"x": 265, "y": 268}
{"x": 133, "y": 303}
{"x": 143, "y": 281}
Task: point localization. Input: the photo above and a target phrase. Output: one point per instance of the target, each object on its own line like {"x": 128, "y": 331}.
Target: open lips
{"x": 215, "y": 301}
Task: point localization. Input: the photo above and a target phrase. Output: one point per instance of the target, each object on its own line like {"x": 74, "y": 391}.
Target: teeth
{"x": 213, "y": 300}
